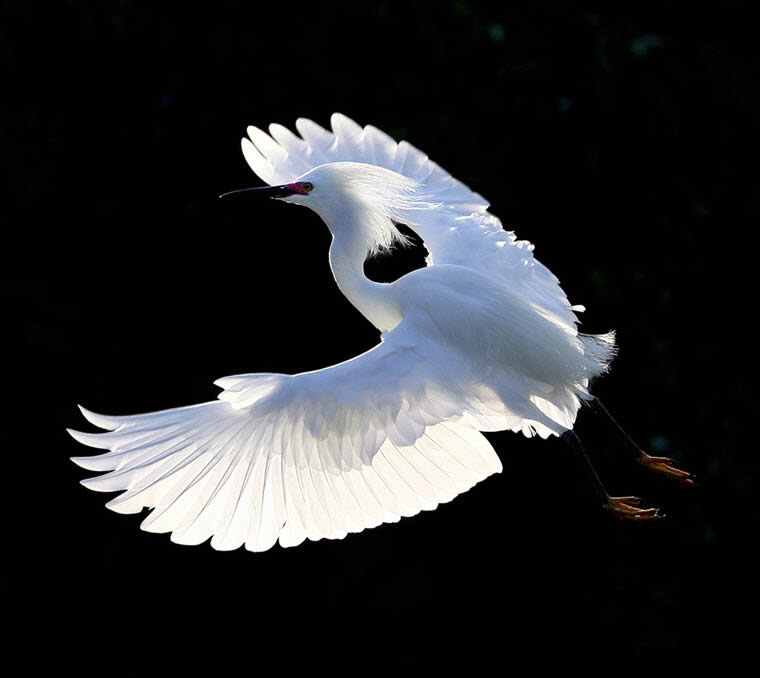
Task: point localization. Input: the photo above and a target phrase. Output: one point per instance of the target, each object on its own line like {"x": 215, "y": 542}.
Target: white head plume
{"x": 364, "y": 198}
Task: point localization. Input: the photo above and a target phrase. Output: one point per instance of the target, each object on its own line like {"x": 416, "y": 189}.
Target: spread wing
{"x": 314, "y": 455}
{"x": 460, "y": 230}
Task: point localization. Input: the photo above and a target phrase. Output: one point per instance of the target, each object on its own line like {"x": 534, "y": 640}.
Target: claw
{"x": 626, "y": 508}
{"x": 664, "y": 465}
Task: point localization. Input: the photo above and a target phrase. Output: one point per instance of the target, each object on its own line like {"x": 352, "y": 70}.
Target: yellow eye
{"x": 307, "y": 186}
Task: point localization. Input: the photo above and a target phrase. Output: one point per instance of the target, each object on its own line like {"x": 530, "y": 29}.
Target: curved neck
{"x": 375, "y": 301}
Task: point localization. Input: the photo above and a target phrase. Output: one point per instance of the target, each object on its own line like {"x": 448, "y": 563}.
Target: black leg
{"x": 597, "y": 406}
{"x": 621, "y": 507}
{"x": 574, "y": 443}
{"x": 663, "y": 465}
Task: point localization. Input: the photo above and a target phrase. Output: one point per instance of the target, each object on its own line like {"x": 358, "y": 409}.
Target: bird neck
{"x": 375, "y": 301}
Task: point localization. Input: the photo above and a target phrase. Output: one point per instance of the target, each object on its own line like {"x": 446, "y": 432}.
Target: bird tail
{"x": 600, "y": 350}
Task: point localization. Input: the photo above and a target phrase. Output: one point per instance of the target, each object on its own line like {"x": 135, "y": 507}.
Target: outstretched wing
{"x": 460, "y": 230}
{"x": 314, "y": 455}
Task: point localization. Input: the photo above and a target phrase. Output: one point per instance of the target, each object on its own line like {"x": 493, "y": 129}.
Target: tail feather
{"x": 600, "y": 349}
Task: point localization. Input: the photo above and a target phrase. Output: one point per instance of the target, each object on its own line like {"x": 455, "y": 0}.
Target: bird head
{"x": 365, "y": 198}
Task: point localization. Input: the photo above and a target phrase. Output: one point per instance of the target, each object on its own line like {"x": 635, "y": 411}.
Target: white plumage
{"x": 482, "y": 339}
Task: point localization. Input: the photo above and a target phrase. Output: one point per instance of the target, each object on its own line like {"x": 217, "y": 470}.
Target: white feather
{"x": 482, "y": 339}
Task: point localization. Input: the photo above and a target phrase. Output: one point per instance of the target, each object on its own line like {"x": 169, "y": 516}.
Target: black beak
{"x": 263, "y": 192}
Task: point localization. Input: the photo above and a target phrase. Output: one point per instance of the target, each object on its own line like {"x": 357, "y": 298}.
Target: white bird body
{"x": 482, "y": 339}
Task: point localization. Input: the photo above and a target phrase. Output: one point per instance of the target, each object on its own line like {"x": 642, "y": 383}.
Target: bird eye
{"x": 307, "y": 186}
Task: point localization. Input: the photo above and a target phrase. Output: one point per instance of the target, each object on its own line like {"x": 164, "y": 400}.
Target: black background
{"x": 617, "y": 140}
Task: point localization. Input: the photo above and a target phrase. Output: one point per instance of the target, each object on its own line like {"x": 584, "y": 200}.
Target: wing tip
{"x": 82, "y": 437}
{"x": 338, "y": 117}
{"x": 99, "y": 420}
{"x": 82, "y": 462}
{"x": 341, "y": 124}
{"x": 260, "y": 165}
{"x": 97, "y": 484}
{"x": 247, "y": 146}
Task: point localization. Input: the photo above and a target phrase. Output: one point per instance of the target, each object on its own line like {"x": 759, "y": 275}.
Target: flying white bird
{"x": 482, "y": 339}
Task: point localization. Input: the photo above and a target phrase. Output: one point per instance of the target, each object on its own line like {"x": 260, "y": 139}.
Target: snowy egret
{"x": 482, "y": 339}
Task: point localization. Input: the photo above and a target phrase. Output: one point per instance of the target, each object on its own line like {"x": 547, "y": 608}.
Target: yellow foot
{"x": 626, "y": 508}
{"x": 665, "y": 466}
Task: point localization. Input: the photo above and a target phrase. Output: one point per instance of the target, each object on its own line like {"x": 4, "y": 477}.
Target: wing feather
{"x": 384, "y": 435}
{"x": 268, "y": 147}
{"x": 259, "y": 163}
{"x": 460, "y": 231}
{"x": 315, "y": 455}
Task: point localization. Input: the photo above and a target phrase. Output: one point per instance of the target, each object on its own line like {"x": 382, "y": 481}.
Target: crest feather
{"x": 379, "y": 199}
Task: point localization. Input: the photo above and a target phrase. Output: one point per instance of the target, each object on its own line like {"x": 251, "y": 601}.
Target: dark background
{"x": 617, "y": 140}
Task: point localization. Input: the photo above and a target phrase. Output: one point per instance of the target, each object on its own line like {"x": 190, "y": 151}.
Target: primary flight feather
{"x": 482, "y": 339}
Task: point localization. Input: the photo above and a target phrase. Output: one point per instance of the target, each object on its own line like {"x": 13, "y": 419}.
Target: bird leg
{"x": 662, "y": 465}
{"x": 626, "y": 508}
